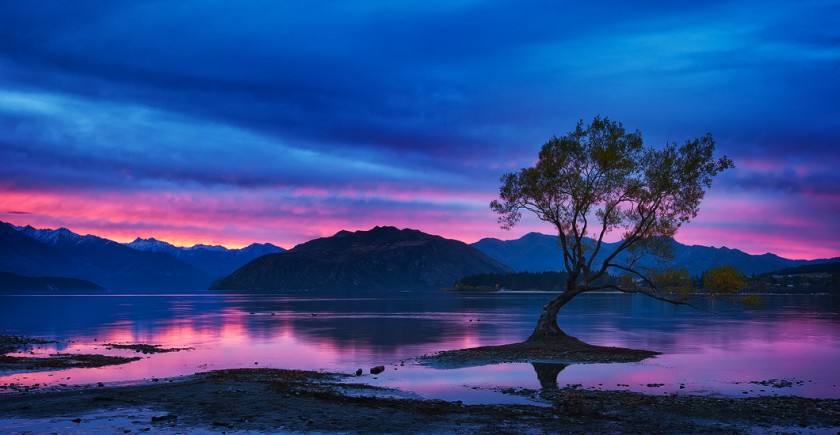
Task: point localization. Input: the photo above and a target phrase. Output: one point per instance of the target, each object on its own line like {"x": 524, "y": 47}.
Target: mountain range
{"x": 535, "y": 252}
{"x": 35, "y": 252}
{"x": 384, "y": 258}
{"x": 214, "y": 260}
{"x": 381, "y": 259}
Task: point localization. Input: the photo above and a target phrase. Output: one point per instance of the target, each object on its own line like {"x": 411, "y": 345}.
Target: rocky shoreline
{"x": 26, "y": 360}
{"x": 275, "y": 400}
{"x": 278, "y": 400}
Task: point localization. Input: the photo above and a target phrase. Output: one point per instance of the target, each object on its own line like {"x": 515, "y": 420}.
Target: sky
{"x": 227, "y": 122}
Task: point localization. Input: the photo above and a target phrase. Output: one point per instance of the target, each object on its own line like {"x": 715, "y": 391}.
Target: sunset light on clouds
{"x": 231, "y": 123}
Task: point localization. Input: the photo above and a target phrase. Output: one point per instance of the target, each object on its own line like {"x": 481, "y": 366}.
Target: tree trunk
{"x": 547, "y": 328}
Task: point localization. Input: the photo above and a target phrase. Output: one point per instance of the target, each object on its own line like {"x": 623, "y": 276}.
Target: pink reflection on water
{"x": 712, "y": 355}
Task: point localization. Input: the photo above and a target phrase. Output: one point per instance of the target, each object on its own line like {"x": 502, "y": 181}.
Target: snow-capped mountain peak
{"x": 151, "y": 245}
{"x": 51, "y": 237}
{"x": 217, "y": 248}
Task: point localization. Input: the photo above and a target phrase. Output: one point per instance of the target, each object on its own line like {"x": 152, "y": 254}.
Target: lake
{"x": 789, "y": 346}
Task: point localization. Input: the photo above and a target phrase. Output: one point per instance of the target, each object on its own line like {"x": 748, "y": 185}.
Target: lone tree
{"x": 600, "y": 179}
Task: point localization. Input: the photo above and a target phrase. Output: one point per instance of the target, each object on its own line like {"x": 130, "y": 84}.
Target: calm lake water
{"x": 791, "y": 338}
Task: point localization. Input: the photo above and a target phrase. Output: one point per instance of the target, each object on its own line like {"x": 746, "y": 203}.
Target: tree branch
{"x": 562, "y": 237}
{"x": 607, "y": 213}
{"x": 660, "y": 298}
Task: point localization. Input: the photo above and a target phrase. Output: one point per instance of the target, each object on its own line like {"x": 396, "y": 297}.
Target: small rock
{"x": 76, "y": 420}
{"x": 377, "y": 370}
{"x": 359, "y": 372}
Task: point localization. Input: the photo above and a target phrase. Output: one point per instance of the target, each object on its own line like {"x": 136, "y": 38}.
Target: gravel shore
{"x": 274, "y": 400}
{"x": 277, "y": 400}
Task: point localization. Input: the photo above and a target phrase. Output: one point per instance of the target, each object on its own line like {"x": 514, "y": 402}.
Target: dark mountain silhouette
{"x": 26, "y": 256}
{"x": 13, "y": 281}
{"x": 382, "y": 259}
{"x": 820, "y": 268}
{"x": 61, "y": 252}
{"x": 535, "y": 252}
{"x": 215, "y": 261}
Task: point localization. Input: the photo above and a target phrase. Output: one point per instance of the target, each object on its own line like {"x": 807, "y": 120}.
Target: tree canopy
{"x": 599, "y": 180}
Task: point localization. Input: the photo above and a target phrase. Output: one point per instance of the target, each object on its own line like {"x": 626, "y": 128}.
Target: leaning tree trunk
{"x": 547, "y": 328}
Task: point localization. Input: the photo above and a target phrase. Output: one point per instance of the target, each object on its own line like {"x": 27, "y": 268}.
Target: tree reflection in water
{"x": 547, "y": 374}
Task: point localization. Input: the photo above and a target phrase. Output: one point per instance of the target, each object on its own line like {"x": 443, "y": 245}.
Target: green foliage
{"x": 752, "y": 301}
{"x": 673, "y": 283}
{"x": 600, "y": 179}
{"x": 724, "y": 281}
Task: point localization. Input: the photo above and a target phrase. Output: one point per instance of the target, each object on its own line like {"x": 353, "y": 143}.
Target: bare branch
{"x": 661, "y": 298}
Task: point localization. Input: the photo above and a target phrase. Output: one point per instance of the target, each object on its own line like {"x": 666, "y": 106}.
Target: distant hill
{"x": 215, "y": 261}
{"x": 382, "y": 259}
{"x": 831, "y": 268}
{"x": 46, "y": 252}
{"x": 810, "y": 278}
{"x": 13, "y": 281}
{"x": 535, "y": 252}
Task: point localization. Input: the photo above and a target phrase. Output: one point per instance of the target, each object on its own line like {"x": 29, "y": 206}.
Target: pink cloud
{"x": 789, "y": 225}
{"x": 235, "y": 218}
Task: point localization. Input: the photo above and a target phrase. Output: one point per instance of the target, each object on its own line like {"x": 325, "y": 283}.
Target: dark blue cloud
{"x": 399, "y": 78}
{"x": 402, "y": 77}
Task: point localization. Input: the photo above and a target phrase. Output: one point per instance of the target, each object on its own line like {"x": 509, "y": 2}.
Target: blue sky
{"x": 231, "y": 122}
